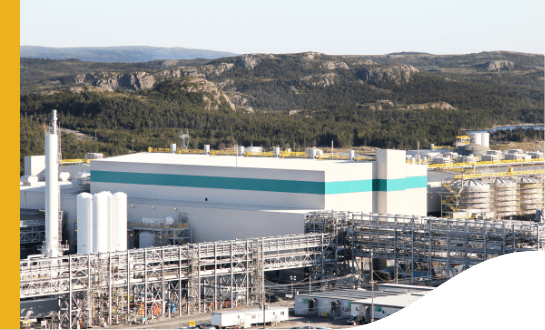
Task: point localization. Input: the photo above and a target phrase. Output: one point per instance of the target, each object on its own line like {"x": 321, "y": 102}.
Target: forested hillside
{"x": 294, "y": 100}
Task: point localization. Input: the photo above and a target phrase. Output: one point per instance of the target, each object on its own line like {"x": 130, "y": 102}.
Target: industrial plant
{"x": 170, "y": 232}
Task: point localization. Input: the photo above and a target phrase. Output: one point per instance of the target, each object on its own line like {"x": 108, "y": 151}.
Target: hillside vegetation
{"x": 294, "y": 100}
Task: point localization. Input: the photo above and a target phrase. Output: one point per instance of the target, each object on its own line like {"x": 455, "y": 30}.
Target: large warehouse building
{"x": 228, "y": 197}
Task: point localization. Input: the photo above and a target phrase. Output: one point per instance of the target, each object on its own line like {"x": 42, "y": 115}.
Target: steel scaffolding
{"x": 119, "y": 287}
{"x": 124, "y": 287}
{"x": 434, "y": 249}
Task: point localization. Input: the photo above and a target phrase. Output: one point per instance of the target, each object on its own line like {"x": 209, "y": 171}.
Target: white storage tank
{"x": 276, "y": 151}
{"x": 207, "y": 149}
{"x": 475, "y": 196}
{"x": 505, "y": 197}
{"x": 119, "y": 218}
{"x": 85, "y": 223}
{"x": 485, "y": 139}
{"x": 476, "y": 138}
{"x": 531, "y": 195}
{"x": 241, "y": 150}
{"x": 101, "y": 212}
{"x": 351, "y": 154}
{"x": 173, "y": 148}
{"x": 146, "y": 239}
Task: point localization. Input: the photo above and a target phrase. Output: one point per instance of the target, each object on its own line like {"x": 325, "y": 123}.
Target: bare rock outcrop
{"x": 431, "y": 105}
{"x": 213, "y": 95}
{"x": 240, "y": 101}
{"x": 333, "y": 65}
{"x": 247, "y": 62}
{"x": 323, "y": 80}
{"x": 495, "y": 66}
{"x": 397, "y": 74}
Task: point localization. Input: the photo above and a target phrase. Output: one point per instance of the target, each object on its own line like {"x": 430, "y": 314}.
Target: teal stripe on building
{"x": 400, "y": 184}
{"x": 269, "y": 185}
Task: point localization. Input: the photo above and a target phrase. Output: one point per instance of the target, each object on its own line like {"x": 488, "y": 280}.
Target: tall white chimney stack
{"x": 52, "y": 243}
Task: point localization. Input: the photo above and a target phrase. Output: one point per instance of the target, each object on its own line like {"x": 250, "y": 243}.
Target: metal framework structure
{"x": 119, "y": 287}
{"x": 32, "y": 231}
{"x": 124, "y": 287}
{"x": 425, "y": 248}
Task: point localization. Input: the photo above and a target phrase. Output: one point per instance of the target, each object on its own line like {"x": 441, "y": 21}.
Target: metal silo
{"x": 475, "y": 196}
{"x": 531, "y": 195}
{"x": 505, "y": 197}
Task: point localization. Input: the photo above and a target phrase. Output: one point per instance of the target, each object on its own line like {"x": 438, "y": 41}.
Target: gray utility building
{"x": 338, "y": 304}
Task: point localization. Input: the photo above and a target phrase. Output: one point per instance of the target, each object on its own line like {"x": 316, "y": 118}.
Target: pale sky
{"x": 336, "y": 27}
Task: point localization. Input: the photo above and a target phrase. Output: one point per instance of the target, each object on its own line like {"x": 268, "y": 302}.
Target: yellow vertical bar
{"x": 9, "y": 237}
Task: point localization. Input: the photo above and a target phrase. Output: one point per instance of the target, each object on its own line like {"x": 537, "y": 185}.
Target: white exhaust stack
{"x": 52, "y": 244}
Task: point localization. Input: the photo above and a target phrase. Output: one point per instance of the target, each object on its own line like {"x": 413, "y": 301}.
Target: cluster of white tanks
{"x": 480, "y": 138}
{"x": 505, "y": 197}
{"x": 102, "y": 222}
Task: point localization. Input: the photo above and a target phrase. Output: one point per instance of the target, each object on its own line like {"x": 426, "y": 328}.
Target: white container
{"x": 351, "y": 154}
{"x": 101, "y": 212}
{"x": 207, "y": 149}
{"x": 173, "y": 148}
{"x": 120, "y": 219}
{"x": 85, "y": 223}
{"x": 241, "y": 150}
{"x": 276, "y": 151}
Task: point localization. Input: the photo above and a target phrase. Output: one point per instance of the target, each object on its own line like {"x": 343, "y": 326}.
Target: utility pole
{"x": 331, "y": 148}
{"x": 372, "y": 291}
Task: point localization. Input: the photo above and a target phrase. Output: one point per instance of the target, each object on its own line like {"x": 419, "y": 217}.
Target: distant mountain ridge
{"x": 126, "y": 54}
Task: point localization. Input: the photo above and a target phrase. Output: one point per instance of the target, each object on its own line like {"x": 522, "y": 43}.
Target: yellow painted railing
{"x": 150, "y": 149}
{"x": 191, "y": 151}
{"x": 334, "y": 156}
{"x": 72, "y": 161}
{"x": 495, "y": 162}
{"x": 224, "y": 152}
{"x": 442, "y": 147}
{"x": 292, "y": 154}
{"x": 260, "y": 154}
{"x": 495, "y": 174}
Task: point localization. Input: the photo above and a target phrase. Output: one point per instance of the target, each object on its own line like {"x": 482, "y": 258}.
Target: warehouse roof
{"x": 232, "y": 161}
{"x": 396, "y": 301}
{"x": 351, "y": 295}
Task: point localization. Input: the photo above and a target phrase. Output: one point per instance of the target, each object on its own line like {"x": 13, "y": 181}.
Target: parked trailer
{"x": 247, "y": 317}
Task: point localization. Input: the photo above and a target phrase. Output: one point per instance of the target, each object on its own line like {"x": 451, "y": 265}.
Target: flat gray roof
{"x": 231, "y": 161}
{"x": 347, "y": 294}
{"x": 397, "y": 301}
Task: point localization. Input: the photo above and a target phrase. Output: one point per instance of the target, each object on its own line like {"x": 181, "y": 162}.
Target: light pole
{"x": 292, "y": 278}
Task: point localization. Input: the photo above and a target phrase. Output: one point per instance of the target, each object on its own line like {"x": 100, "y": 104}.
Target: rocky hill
{"x": 285, "y": 82}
